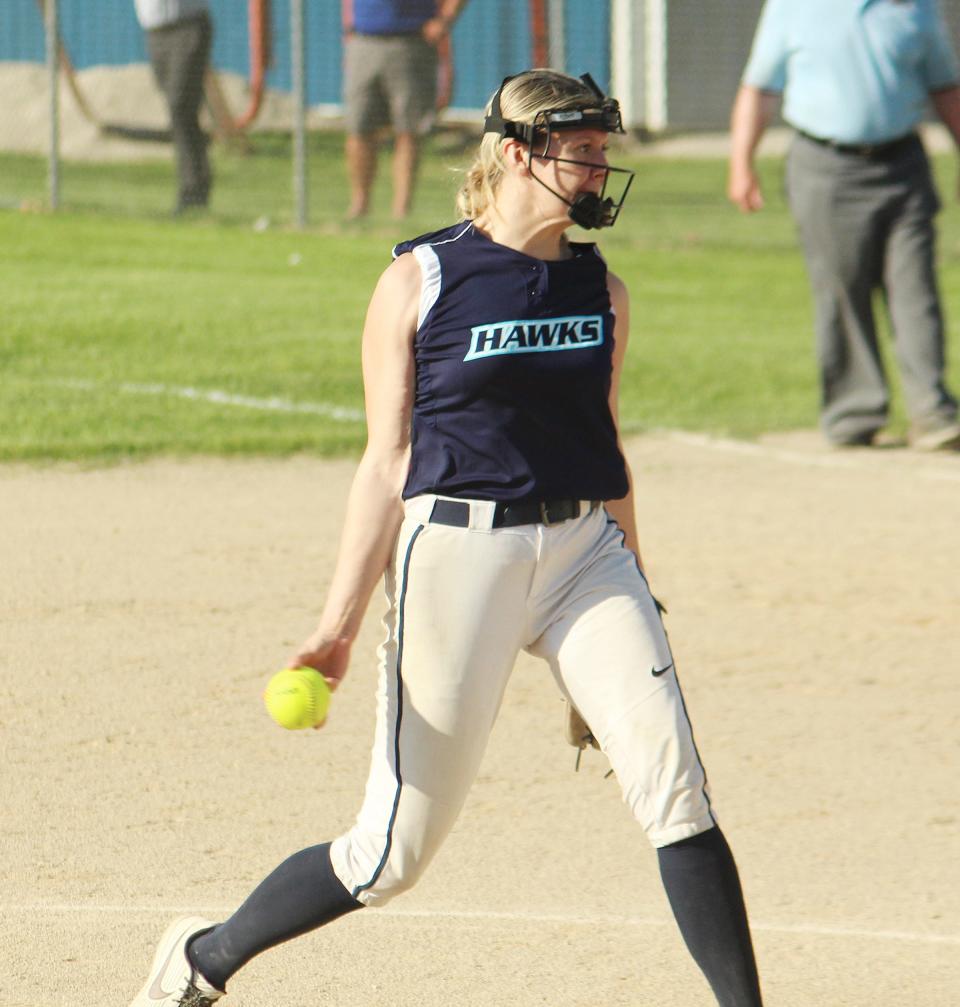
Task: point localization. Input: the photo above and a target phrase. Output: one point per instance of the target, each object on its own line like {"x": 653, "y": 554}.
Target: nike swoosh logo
{"x": 657, "y": 672}
{"x": 156, "y": 991}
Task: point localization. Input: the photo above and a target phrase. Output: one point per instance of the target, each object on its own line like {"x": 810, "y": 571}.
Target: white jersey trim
{"x": 431, "y": 272}
{"x": 431, "y": 279}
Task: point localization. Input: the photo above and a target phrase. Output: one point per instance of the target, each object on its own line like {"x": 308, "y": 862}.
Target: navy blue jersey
{"x": 513, "y": 365}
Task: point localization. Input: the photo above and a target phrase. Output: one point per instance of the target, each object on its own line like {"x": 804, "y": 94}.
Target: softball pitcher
{"x": 494, "y": 499}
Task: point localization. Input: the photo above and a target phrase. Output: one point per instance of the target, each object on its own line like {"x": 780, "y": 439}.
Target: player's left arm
{"x": 621, "y": 510}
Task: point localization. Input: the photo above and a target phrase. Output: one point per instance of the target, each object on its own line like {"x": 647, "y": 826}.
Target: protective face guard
{"x": 587, "y": 209}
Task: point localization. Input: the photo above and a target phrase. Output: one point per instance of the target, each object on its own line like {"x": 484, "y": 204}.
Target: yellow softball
{"x": 297, "y": 698}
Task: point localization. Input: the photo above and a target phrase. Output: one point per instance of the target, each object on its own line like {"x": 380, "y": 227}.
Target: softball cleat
{"x": 173, "y": 981}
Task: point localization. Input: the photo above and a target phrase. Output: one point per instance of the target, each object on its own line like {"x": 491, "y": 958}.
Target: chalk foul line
{"x": 877, "y": 462}
{"x": 557, "y": 919}
{"x": 215, "y": 396}
{"x": 344, "y": 414}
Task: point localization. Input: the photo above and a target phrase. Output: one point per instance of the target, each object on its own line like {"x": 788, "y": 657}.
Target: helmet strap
{"x": 587, "y": 209}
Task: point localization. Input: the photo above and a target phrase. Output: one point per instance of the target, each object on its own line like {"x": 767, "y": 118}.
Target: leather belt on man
{"x": 509, "y": 515}
{"x": 871, "y": 150}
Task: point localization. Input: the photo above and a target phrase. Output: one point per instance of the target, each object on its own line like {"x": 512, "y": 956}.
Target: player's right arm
{"x": 374, "y": 505}
{"x": 753, "y": 111}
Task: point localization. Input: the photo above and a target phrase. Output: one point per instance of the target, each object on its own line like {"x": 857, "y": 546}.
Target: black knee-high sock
{"x": 703, "y": 887}
{"x": 302, "y": 894}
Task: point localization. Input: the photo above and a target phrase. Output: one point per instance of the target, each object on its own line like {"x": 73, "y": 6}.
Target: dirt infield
{"x": 813, "y": 607}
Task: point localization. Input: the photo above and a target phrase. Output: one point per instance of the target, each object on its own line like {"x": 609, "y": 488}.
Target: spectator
{"x": 856, "y": 78}
{"x": 179, "y": 33}
{"x": 390, "y": 74}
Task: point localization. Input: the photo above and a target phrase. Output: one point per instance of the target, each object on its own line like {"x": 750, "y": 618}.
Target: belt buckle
{"x": 548, "y": 521}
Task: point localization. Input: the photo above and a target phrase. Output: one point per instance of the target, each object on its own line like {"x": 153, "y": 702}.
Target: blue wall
{"x": 491, "y": 40}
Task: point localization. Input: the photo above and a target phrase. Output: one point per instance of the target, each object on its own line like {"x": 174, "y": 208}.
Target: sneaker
{"x": 945, "y": 438}
{"x": 173, "y": 981}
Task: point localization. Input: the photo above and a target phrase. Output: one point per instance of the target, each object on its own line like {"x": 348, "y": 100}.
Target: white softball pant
{"x": 463, "y": 603}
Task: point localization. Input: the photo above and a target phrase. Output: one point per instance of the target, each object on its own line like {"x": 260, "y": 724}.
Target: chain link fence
{"x": 107, "y": 110}
{"x": 675, "y": 64}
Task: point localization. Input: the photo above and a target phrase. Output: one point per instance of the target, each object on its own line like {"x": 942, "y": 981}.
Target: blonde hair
{"x": 521, "y": 99}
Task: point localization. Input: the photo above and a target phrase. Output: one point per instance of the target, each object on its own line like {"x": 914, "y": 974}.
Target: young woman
{"x": 494, "y": 499}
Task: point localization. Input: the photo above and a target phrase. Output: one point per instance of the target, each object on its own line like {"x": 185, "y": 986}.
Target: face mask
{"x": 586, "y": 209}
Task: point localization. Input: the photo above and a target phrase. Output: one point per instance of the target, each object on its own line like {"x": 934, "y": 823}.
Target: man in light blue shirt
{"x": 856, "y": 77}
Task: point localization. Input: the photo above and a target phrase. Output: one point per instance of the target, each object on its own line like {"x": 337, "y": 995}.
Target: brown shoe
{"x": 945, "y": 438}
{"x": 865, "y": 439}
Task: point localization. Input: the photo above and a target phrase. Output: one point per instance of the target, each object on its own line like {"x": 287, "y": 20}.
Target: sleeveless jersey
{"x": 513, "y": 359}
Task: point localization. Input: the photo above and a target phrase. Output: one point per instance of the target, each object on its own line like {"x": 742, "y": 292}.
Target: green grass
{"x": 110, "y": 309}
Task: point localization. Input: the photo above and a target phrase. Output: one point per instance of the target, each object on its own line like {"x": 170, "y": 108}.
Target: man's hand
{"x": 947, "y": 104}
{"x": 435, "y": 29}
{"x": 743, "y": 188}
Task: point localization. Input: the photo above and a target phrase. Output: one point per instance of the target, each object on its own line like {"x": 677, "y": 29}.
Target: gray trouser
{"x": 866, "y": 224}
{"x": 179, "y": 54}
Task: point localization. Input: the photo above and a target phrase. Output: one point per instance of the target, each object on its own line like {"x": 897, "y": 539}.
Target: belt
{"x": 456, "y": 513}
{"x": 878, "y": 150}
{"x": 387, "y": 35}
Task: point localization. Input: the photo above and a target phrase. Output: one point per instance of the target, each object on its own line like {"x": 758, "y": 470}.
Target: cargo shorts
{"x": 389, "y": 80}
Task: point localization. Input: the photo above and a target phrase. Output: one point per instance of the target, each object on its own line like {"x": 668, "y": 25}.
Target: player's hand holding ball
{"x": 328, "y": 652}
{"x": 297, "y": 698}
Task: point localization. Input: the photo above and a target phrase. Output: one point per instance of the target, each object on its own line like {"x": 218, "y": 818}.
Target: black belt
{"x": 508, "y": 515}
{"x": 877, "y": 150}
{"x": 386, "y": 35}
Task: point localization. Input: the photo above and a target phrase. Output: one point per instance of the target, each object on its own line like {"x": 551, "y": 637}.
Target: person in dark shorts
{"x": 390, "y": 77}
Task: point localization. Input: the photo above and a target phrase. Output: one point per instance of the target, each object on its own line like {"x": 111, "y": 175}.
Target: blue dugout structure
{"x": 491, "y": 39}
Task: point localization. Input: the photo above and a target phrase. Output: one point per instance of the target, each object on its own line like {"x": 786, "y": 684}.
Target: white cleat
{"x": 173, "y": 981}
